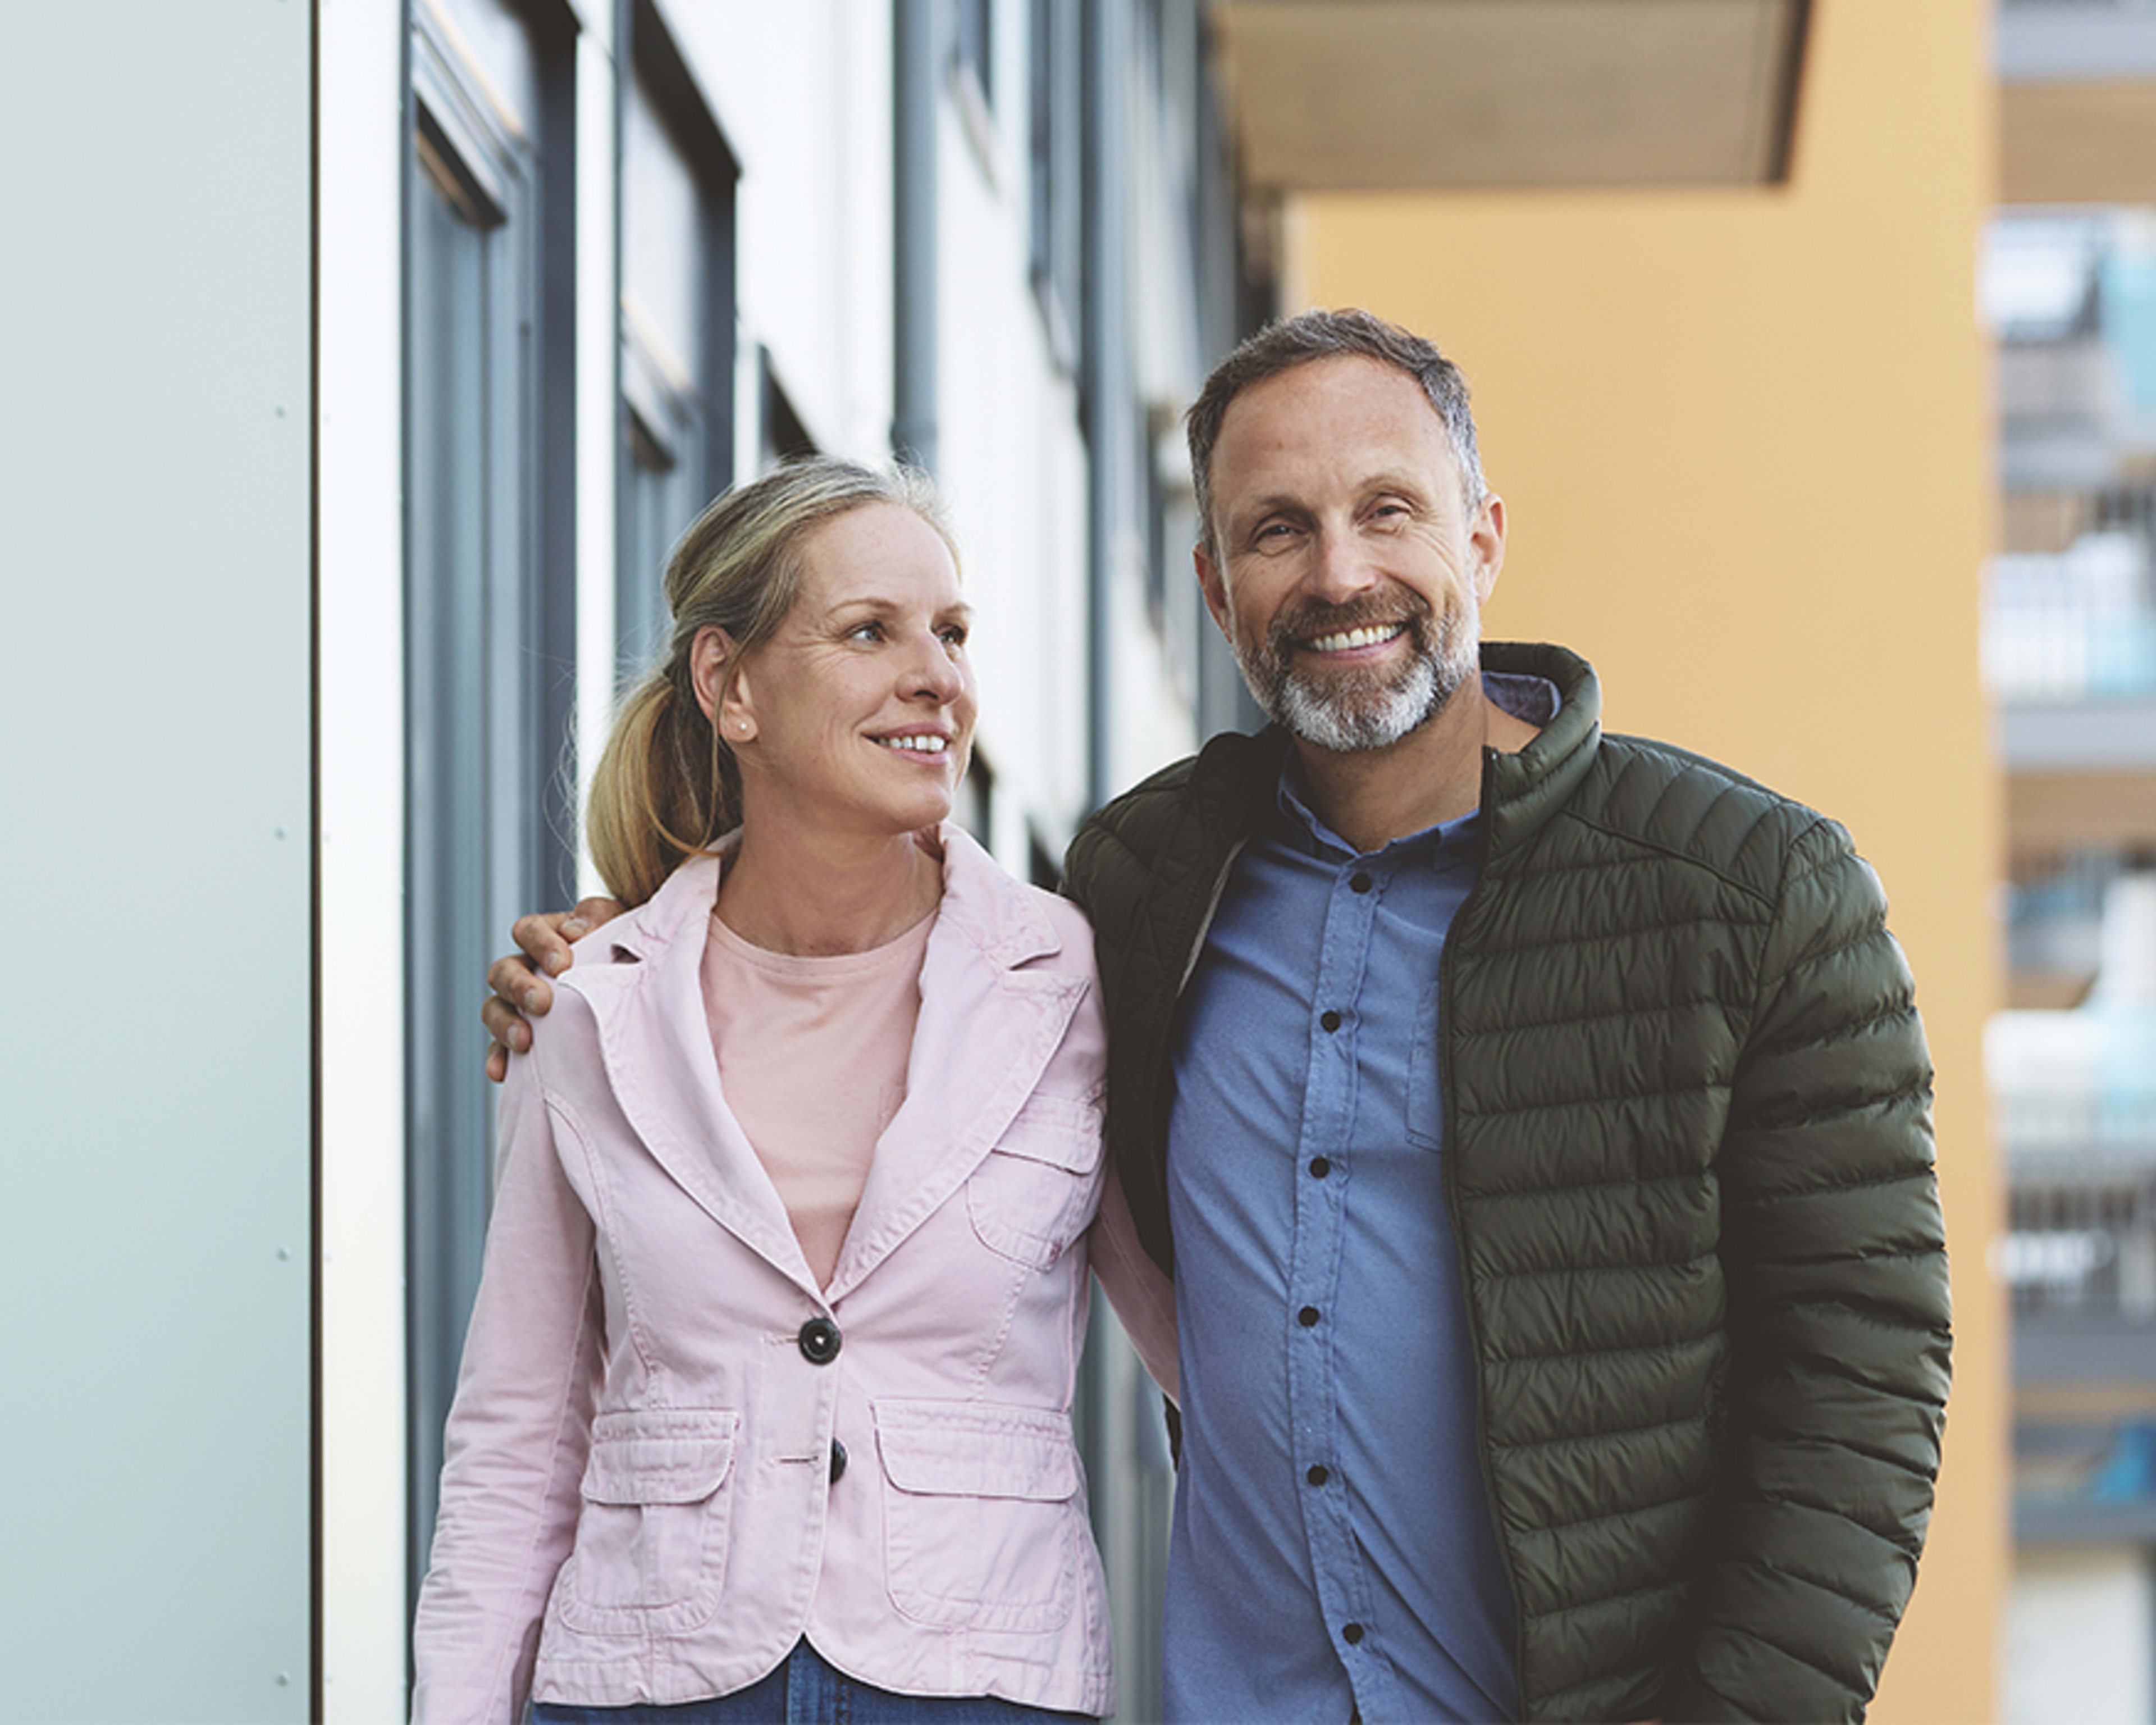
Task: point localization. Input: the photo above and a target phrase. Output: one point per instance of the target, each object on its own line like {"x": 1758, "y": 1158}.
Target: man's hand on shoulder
{"x": 518, "y": 981}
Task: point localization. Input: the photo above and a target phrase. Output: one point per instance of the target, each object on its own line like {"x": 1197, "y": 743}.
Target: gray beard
{"x": 1349, "y": 712}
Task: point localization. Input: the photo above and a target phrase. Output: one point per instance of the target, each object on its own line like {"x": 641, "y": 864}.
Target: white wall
{"x": 155, "y": 1097}
{"x": 362, "y": 146}
{"x": 2079, "y": 1622}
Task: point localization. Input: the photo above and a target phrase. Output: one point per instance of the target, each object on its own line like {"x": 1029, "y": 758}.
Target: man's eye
{"x": 954, "y": 636}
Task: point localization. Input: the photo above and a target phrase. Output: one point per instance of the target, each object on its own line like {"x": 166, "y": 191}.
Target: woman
{"x": 767, "y": 1387}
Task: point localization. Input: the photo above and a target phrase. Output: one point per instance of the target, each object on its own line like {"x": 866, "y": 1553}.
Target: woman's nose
{"x": 936, "y": 673}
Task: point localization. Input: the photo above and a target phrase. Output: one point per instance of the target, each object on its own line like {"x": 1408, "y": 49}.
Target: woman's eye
{"x": 954, "y": 636}
{"x": 865, "y": 632}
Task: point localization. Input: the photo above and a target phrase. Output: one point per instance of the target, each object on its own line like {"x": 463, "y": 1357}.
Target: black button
{"x": 1361, "y": 883}
{"x": 838, "y": 1462}
{"x": 819, "y": 1341}
{"x": 1318, "y": 1475}
{"x": 1352, "y": 1634}
{"x": 1331, "y": 1020}
{"x": 1306, "y": 1316}
{"x": 1320, "y": 1167}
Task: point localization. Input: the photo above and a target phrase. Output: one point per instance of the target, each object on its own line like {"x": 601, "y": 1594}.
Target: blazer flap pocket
{"x": 1063, "y": 1131}
{"x": 970, "y": 1449}
{"x": 668, "y": 1456}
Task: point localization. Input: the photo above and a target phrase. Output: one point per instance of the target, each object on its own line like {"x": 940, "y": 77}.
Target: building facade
{"x": 433, "y": 323}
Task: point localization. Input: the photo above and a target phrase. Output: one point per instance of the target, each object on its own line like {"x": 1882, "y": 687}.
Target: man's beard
{"x": 1351, "y": 709}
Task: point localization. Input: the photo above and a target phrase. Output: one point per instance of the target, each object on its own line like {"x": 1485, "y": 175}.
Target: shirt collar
{"x": 1533, "y": 699}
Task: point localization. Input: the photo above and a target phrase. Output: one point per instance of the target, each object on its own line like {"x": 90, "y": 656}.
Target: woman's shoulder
{"x": 1054, "y": 931}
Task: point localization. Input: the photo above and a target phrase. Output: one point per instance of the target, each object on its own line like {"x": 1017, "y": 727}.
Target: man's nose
{"x": 1340, "y": 568}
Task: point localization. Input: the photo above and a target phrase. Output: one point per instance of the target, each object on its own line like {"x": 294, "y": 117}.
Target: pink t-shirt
{"x": 812, "y": 1057}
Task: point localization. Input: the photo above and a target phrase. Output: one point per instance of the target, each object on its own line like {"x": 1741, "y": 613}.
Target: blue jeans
{"x": 806, "y": 1691}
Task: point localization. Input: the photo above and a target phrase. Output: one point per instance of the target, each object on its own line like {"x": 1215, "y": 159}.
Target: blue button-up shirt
{"x": 1333, "y": 1546}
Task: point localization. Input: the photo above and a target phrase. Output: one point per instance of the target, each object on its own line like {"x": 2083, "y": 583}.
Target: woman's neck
{"x": 812, "y": 897}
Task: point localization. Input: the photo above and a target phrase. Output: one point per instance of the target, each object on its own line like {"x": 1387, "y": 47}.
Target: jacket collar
{"x": 1521, "y": 792}
{"x": 1237, "y": 774}
{"x": 987, "y": 1027}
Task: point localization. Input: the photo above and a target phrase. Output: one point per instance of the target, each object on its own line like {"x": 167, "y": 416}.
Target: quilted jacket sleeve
{"x": 515, "y": 1447}
{"x": 1836, "y": 1266}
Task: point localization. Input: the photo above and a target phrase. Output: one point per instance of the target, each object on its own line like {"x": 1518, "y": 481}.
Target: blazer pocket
{"x": 982, "y": 1523}
{"x": 1034, "y": 1191}
{"x": 650, "y": 1549}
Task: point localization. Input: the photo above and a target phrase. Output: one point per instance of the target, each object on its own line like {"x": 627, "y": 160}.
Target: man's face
{"x": 1346, "y": 572}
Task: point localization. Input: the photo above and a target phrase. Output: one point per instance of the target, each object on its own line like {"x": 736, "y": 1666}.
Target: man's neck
{"x": 1434, "y": 774}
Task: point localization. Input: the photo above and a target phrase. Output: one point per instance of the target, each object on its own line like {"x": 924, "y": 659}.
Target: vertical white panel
{"x": 365, "y": 1611}
{"x": 2077, "y": 1640}
{"x": 155, "y": 1034}
{"x": 598, "y": 396}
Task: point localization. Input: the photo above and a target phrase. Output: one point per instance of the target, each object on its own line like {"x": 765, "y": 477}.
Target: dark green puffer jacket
{"x": 1688, "y": 1157}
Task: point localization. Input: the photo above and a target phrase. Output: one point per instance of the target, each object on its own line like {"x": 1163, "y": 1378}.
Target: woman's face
{"x": 858, "y": 714}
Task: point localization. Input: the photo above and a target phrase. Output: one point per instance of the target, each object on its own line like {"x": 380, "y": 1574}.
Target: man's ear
{"x": 1486, "y": 539}
{"x": 1211, "y": 583}
{"x": 721, "y": 683}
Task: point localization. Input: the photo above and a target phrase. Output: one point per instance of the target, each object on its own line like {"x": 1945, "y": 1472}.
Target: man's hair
{"x": 1310, "y": 336}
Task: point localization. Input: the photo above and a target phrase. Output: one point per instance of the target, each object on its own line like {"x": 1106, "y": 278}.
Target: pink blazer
{"x": 643, "y": 1498}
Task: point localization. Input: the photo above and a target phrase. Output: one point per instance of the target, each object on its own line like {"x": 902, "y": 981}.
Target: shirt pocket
{"x": 1035, "y": 1191}
{"x": 1425, "y": 1108}
{"x": 982, "y": 1522}
{"x": 650, "y": 1549}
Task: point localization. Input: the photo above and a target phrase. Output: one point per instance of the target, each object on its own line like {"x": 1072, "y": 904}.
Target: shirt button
{"x": 1361, "y": 883}
{"x": 1320, "y": 1167}
{"x": 1318, "y": 1475}
{"x": 1331, "y": 1020}
{"x": 1352, "y": 1634}
{"x": 1308, "y": 1317}
{"x": 838, "y": 1462}
{"x": 819, "y": 1341}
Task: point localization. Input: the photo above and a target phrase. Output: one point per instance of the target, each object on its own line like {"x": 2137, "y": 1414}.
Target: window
{"x": 785, "y": 438}
{"x": 677, "y": 325}
{"x": 974, "y": 46}
{"x": 1055, "y": 51}
{"x": 489, "y": 619}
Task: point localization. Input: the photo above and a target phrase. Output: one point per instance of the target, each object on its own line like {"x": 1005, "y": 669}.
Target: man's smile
{"x": 1346, "y": 640}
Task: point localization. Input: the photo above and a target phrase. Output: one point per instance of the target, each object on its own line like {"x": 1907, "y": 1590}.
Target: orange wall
{"x": 1744, "y": 439}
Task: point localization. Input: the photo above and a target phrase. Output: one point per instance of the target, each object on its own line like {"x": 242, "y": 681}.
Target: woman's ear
{"x": 721, "y": 684}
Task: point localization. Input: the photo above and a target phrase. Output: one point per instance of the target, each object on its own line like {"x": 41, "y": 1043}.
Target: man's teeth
{"x": 923, "y": 745}
{"x": 1368, "y": 635}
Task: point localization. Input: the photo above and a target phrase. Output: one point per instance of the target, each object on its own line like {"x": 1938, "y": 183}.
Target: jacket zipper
{"x": 1451, "y": 1178}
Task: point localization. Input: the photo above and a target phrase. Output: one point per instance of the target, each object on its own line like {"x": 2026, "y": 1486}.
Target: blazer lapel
{"x": 986, "y": 1032}
{"x": 655, "y": 1040}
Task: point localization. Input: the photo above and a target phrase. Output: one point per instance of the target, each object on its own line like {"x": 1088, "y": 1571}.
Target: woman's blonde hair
{"x": 667, "y": 786}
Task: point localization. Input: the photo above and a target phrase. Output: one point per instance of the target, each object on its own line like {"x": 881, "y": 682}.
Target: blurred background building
{"x": 362, "y": 358}
{"x": 2069, "y": 292}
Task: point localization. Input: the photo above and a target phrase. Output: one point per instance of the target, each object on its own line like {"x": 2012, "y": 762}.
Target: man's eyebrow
{"x": 1265, "y": 506}
{"x": 1409, "y": 479}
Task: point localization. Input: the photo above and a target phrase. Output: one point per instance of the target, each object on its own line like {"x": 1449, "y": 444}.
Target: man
{"x": 1536, "y": 1124}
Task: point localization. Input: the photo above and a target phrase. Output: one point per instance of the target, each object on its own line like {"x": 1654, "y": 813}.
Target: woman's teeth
{"x": 924, "y": 745}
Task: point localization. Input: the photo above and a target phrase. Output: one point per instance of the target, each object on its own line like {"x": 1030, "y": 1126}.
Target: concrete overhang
{"x": 1428, "y": 94}
{"x": 2077, "y": 104}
